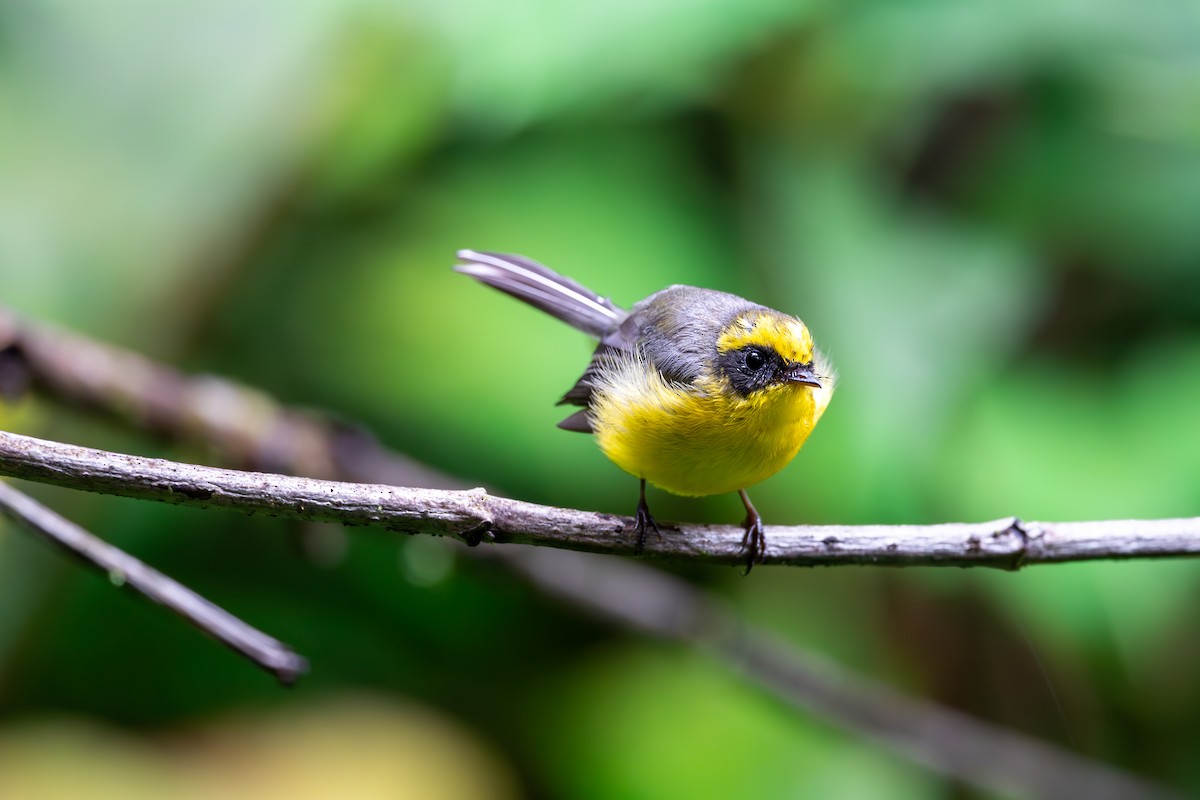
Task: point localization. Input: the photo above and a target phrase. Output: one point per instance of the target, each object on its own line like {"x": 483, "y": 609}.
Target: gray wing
{"x": 675, "y": 329}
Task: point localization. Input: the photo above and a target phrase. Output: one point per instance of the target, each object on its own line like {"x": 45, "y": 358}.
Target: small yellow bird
{"x": 697, "y": 391}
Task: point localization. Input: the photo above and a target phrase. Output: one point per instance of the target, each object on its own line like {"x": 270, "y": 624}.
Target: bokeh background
{"x": 988, "y": 213}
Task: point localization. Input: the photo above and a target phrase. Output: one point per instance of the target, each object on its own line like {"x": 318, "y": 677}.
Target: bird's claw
{"x": 644, "y": 522}
{"x": 754, "y": 542}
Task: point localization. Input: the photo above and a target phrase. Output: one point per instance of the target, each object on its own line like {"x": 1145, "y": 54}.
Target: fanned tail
{"x": 543, "y": 288}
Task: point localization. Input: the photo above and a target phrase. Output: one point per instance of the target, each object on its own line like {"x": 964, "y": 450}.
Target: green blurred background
{"x": 987, "y": 213}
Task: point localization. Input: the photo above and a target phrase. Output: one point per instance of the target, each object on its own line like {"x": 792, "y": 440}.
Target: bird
{"x": 697, "y": 391}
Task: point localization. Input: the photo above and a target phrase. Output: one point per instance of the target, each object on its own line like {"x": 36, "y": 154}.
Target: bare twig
{"x": 251, "y": 429}
{"x": 125, "y": 570}
{"x": 476, "y": 516}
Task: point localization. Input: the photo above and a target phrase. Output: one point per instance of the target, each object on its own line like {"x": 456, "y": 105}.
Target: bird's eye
{"x": 755, "y": 360}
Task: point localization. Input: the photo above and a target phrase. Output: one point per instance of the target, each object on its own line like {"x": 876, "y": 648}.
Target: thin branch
{"x": 249, "y": 428}
{"x": 125, "y": 570}
{"x": 474, "y": 516}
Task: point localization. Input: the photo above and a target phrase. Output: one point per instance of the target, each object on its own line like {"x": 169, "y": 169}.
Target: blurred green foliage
{"x": 986, "y": 212}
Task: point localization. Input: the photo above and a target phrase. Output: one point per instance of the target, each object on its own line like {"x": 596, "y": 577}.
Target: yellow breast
{"x": 699, "y": 440}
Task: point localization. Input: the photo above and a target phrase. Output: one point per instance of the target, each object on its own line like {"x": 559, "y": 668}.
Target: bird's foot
{"x": 754, "y": 541}
{"x": 643, "y": 523}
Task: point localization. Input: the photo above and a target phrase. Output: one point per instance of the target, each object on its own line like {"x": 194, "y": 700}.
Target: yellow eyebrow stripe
{"x": 787, "y": 336}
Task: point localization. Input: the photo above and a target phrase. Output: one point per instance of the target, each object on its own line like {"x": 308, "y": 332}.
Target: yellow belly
{"x": 700, "y": 442}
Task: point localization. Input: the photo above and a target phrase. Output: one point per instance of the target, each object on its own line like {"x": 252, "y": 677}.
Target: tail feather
{"x": 543, "y": 288}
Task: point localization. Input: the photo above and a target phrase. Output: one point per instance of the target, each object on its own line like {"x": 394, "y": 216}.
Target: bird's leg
{"x": 644, "y": 521}
{"x": 754, "y": 542}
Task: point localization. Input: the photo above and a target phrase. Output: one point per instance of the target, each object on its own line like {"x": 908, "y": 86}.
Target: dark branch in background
{"x": 944, "y": 740}
{"x": 242, "y": 426}
{"x": 474, "y": 516}
{"x": 125, "y": 570}
{"x": 619, "y": 590}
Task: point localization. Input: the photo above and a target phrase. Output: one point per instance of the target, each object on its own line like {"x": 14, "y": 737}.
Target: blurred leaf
{"x": 381, "y": 104}
{"x": 354, "y": 747}
{"x": 525, "y": 60}
{"x": 119, "y": 178}
{"x": 1060, "y": 177}
{"x": 636, "y": 723}
{"x": 912, "y": 311}
{"x": 68, "y": 759}
{"x": 1047, "y": 442}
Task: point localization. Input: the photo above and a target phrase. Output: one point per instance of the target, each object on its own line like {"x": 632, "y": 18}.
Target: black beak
{"x": 802, "y": 373}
